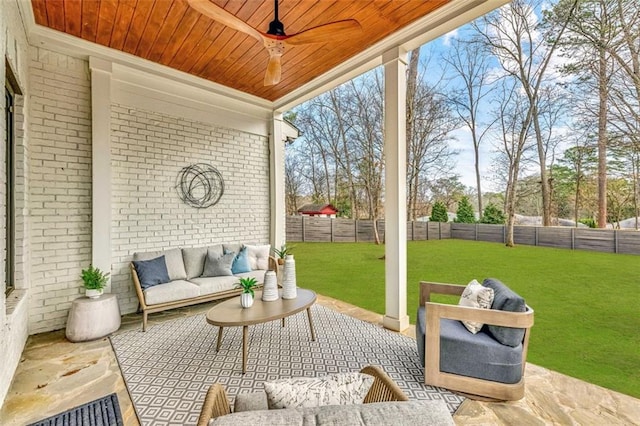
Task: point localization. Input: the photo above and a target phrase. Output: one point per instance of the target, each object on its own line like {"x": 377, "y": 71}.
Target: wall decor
{"x": 200, "y": 185}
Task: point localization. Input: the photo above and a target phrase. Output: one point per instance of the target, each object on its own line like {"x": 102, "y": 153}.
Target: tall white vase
{"x": 270, "y": 289}
{"x": 289, "y": 287}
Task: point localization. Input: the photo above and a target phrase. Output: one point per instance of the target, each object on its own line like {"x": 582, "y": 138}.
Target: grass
{"x": 587, "y": 316}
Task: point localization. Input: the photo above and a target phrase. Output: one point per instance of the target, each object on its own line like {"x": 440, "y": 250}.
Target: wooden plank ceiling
{"x": 171, "y": 33}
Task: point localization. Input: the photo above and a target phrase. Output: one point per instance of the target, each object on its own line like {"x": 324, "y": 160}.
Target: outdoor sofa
{"x": 384, "y": 404}
{"x": 177, "y": 277}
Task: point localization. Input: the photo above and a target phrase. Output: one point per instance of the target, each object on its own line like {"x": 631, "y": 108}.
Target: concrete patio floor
{"x": 55, "y": 375}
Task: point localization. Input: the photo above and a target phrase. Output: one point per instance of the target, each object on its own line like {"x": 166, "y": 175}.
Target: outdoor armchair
{"x": 474, "y": 364}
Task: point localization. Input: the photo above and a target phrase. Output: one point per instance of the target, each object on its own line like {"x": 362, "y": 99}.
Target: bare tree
{"x": 525, "y": 49}
{"x": 470, "y": 64}
{"x": 513, "y": 134}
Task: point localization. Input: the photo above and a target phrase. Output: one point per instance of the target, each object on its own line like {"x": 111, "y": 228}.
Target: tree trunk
{"x": 412, "y": 82}
{"x": 603, "y": 94}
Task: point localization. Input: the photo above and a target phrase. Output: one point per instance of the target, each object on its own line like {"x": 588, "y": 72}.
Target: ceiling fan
{"x": 275, "y": 39}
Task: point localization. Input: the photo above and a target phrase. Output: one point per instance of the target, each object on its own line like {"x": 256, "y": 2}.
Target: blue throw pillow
{"x": 151, "y": 272}
{"x": 504, "y": 299}
{"x": 241, "y": 262}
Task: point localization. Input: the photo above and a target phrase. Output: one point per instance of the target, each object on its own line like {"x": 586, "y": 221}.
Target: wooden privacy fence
{"x": 604, "y": 240}
{"x": 322, "y": 229}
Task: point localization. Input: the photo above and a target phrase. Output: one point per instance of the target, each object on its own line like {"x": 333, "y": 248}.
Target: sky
{"x": 465, "y": 162}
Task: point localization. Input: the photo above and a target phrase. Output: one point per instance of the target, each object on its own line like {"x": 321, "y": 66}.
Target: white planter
{"x": 93, "y": 293}
{"x": 246, "y": 300}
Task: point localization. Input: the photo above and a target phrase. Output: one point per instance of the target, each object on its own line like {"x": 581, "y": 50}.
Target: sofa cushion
{"x": 505, "y": 299}
{"x": 170, "y": 292}
{"x": 258, "y": 256}
{"x": 374, "y": 414}
{"x": 475, "y": 296}
{"x": 474, "y": 355}
{"x": 210, "y": 285}
{"x": 241, "y": 262}
{"x": 194, "y": 258}
{"x": 173, "y": 257}
{"x": 232, "y": 247}
{"x": 218, "y": 266}
{"x": 337, "y": 389}
{"x": 151, "y": 272}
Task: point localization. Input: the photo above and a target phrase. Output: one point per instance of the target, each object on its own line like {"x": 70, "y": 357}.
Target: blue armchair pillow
{"x": 504, "y": 299}
{"x": 151, "y": 272}
{"x": 241, "y": 262}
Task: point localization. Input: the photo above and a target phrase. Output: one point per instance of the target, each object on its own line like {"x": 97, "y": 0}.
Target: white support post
{"x": 277, "y": 232}
{"x": 395, "y": 205}
{"x": 101, "y": 164}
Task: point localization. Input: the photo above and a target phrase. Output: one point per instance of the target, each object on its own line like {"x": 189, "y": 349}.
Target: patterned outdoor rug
{"x": 104, "y": 411}
{"x": 169, "y": 368}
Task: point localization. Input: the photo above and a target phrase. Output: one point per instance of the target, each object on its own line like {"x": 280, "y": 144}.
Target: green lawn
{"x": 587, "y": 314}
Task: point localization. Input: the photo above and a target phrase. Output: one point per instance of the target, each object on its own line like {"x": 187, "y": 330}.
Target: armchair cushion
{"x": 466, "y": 354}
{"x": 505, "y": 299}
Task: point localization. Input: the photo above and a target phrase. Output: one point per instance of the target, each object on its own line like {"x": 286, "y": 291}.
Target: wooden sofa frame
{"x": 469, "y": 385}
{"x": 150, "y": 309}
{"x": 216, "y": 403}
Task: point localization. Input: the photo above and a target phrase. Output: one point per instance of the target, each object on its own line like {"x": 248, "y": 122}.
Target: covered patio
{"x": 550, "y": 398}
{"x": 112, "y": 100}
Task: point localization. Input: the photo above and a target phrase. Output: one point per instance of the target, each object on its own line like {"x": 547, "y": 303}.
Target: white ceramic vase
{"x": 289, "y": 286}
{"x": 246, "y": 300}
{"x": 270, "y": 288}
{"x": 92, "y": 293}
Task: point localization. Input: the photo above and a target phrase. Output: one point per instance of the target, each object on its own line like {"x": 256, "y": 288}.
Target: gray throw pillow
{"x": 151, "y": 272}
{"x": 504, "y": 299}
{"x": 215, "y": 266}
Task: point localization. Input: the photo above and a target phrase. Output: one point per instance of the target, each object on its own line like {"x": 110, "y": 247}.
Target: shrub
{"x": 465, "y": 212}
{"x": 589, "y": 221}
{"x": 493, "y": 215}
{"x": 439, "y": 212}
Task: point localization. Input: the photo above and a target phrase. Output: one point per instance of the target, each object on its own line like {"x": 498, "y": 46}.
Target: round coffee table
{"x": 230, "y": 314}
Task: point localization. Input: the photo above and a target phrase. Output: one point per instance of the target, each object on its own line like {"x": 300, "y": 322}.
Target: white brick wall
{"x": 148, "y": 151}
{"x": 13, "y": 310}
{"x": 59, "y": 185}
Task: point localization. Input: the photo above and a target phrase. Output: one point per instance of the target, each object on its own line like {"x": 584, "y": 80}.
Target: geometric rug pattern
{"x": 169, "y": 368}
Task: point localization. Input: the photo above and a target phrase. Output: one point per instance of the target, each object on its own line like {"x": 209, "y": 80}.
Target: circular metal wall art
{"x": 200, "y": 185}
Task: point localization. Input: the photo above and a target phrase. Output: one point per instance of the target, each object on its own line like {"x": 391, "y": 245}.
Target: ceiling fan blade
{"x": 274, "y": 70}
{"x": 218, "y": 14}
{"x": 334, "y": 31}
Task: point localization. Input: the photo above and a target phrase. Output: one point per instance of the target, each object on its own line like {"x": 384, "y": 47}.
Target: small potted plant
{"x": 247, "y": 285}
{"x": 94, "y": 281}
{"x": 282, "y": 253}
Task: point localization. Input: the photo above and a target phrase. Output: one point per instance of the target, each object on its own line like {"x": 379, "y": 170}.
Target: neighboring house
{"x": 318, "y": 210}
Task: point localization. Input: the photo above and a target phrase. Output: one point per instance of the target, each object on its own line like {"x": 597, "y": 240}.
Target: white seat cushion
{"x": 210, "y": 285}
{"x": 170, "y": 292}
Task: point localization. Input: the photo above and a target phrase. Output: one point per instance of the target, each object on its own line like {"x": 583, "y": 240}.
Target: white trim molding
{"x": 101, "y": 164}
